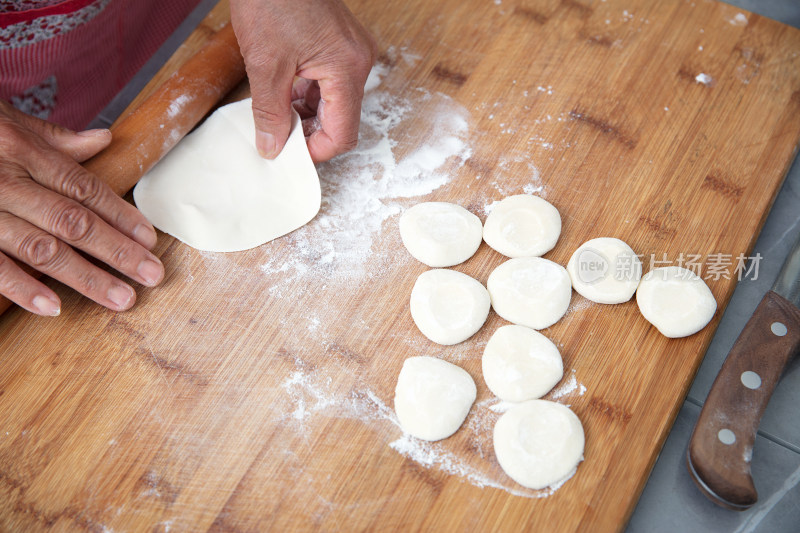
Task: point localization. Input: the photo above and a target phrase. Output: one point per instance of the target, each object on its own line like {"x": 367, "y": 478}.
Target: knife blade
{"x": 721, "y": 446}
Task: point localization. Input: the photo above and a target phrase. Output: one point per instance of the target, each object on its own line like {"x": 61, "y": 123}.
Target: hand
{"x": 50, "y": 206}
{"x": 322, "y": 43}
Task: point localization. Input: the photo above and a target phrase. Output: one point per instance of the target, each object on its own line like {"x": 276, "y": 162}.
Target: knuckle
{"x": 81, "y": 186}
{"x": 6, "y": 266}
{"x": 361, "y": 57}
{"x": 39, "y": 250}
{"x": 73, "y": 222}
{"x": 14, "y": 145}
{"x": 269, "y": 116}
{"x": 51, "y": 129}
{"x": 86, "y": 282}
{"x": 8, "y": 283}
{"x": 122, "y": 256}
{"x": 365, "y": 58}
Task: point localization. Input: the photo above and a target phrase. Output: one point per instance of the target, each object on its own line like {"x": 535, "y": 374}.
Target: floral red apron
{"x": 64, "y": 61}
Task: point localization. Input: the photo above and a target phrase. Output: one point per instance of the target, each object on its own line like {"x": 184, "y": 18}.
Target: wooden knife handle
{"x": 721, "y": 446}
{"x": 144, "y": 136}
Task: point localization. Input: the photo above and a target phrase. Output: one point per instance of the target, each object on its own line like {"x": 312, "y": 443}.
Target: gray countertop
{"x": 670, "y": 501}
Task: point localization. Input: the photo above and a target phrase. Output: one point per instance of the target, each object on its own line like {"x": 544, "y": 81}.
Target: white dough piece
{"x": 447, "y": 306}
{"x": 530, "y": 291}
{"x": 440, "y": 234}
{"x": 521, "y": 364}
{"x": 522, "y": 226}
{"x": 676, "y": 301}
{"x": 605, "y": 270}
{"x": 432, "y": 397}
{"x": 539, "y": 443}
{"x": 215, "y": 193}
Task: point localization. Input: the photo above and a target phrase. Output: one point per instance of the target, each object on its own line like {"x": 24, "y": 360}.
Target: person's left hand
{"x": 320, "y": 42}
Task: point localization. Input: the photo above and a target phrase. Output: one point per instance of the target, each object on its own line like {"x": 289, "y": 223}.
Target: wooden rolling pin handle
{"x": 144, "y": 136}
{"x": 721, "y": 445}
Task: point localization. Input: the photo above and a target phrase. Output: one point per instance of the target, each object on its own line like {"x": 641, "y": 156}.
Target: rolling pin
{"x": 144, "y": 136}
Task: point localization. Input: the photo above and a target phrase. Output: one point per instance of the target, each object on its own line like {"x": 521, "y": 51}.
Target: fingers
{"x": 49, "y": 255}
{"x": 79, "y": 146}
{"x": 305, "y": 98}
{"x": 66, "y": 221}
{"x": 339, "y": 114}
{"x": 271, "y": 98}
{"x": 50, "y": 204}
{"x": 316, "y": 40}
{"x": 25, "y": 291}
{"x": 67, "y": 178}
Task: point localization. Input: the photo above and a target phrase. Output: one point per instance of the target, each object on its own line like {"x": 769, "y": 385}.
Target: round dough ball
{"x": 522, "y": 226}
{"x": 521, "y": 364}
{"x": 530, "y": 291}
{"x": 605, "y": 270}
{"x": 432, "y": 397}
{"x": 676, "y": 301}
{"x": 447, "y": 306}
{"x": 539, "y": 443}
{"x": 440, "y": 234}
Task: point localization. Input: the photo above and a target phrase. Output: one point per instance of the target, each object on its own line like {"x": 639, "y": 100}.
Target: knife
{"x": 719, "y": 452}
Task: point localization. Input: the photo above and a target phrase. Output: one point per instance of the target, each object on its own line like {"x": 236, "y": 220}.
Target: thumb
{"x": 80, "y": 146}
{"x": 271, "y": 88}
{"x": 83, "y": 144}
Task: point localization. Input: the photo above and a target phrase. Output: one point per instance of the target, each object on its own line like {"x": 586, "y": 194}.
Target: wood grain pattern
{"x": 240, "y": 398}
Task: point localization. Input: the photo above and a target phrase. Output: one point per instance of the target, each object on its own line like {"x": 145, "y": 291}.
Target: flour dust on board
{"x": 409, "y": 147}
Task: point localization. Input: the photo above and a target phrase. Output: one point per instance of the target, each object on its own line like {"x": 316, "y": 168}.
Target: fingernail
{"x": 266, "y": 144}
{"x": 145, "y": 235}
{"x": 100, "y": 132}
{"x": 46, "y": 306}
{"x": 150, "y": 271}
{"x": 120, "y": 295}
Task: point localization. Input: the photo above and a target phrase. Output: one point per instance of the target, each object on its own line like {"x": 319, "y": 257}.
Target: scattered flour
{"x": 579, "y": 304}
{"x": 568, "y": 388}
{"x": 739, "y": 20}
{"x": 368, "y": 185}
{"x": 703, "y": 78}
{"x": 515, "y": 166}
{"x": 346, "y": 245}
{"x": 501, "y": 406}
{"x": 310, "y": 393}
{"x": 176, "y": 106}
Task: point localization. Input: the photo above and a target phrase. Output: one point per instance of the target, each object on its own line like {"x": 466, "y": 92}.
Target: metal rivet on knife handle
{"x": 720, "y": 448}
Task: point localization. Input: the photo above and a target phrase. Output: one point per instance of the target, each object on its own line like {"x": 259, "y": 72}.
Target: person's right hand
{"x": 51, "y": 208}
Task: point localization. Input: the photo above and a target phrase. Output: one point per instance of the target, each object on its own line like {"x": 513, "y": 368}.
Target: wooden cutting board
{"x": 253, "y": 391}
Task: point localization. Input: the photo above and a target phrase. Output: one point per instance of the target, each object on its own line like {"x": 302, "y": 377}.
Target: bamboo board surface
{"x": 253, "y": 391}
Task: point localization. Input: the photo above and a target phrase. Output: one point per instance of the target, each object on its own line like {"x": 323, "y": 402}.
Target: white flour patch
{"x": 579, "y": 304}
{"x": 375, "y": 77}
{"x": 704, "y": 78}
{"x": 365, "y": 187}
{"x": 176, "y": 106}
{"x": 532, "y": 188}
{"x": 501, "y": 406}
{"x": 739, "y": 20}
{"x": 569, "y": 387}
{"x": 309, "y": 393}
{"x": 435, "y": 455}
{"x": 509, "y": 169}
